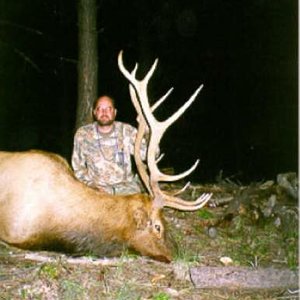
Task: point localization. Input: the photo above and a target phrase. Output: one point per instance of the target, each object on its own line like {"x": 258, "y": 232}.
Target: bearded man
{"x": 102, "y": 151}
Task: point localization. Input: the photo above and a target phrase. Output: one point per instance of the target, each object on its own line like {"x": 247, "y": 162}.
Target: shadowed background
{"x": 244, "y": 122}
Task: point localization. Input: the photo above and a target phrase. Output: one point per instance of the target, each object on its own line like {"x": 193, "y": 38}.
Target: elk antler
{"x": 147, "y": 121}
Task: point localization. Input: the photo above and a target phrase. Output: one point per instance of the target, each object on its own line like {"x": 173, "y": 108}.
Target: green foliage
{"x": 49, "y": 270}
{"x": 161, "y": 296}
{"x": 129, "y": 254}
{"x": 25, "y": 294}
{"x": 205, "y": 214}
{"x": 291, "y": 248}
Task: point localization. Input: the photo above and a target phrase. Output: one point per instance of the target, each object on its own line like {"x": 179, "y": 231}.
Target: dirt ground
{"x": 255, "y": 226}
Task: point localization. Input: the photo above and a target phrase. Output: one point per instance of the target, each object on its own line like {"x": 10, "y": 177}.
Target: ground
{"x": 253, "y": 226}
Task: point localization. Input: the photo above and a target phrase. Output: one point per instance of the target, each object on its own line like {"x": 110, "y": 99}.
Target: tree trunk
{"x": 87, "y": 60}
{"x": 239, "y": 277}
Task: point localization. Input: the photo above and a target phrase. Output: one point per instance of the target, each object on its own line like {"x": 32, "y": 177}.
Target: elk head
{"x": 147, "y": 123}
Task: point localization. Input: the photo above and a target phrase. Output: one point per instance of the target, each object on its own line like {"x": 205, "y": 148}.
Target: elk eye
{"x": 157, "y": 227}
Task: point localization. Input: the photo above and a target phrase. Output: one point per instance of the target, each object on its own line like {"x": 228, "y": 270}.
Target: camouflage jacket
{"x": 104, "y": 160}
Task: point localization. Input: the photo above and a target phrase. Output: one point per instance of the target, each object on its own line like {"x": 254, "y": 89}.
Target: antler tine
{"x": 174, "y": 202}
{"x": 141, "y": 87}
{"x": 160, "y": 128}
{"x": 182, "y": 189}
{"x": 160, "y": 158}
{"x": 133, "y": 80}
{"x": 183, "y": 108}
{"x": 131, "y": 76}
{"x": 161, "y": 100}
{"x": 169, "y": 178}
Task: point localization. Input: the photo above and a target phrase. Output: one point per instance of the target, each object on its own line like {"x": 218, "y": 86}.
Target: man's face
{"x": 104, "y": 112}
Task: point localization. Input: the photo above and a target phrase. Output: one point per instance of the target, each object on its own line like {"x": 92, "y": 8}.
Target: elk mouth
{"x": 162, "y": 258}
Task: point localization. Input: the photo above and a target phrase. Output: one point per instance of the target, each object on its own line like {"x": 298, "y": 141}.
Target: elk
{"x": 43, "y": 205}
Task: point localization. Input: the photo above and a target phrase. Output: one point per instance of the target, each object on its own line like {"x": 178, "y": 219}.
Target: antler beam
{"x": 147, "y": 121}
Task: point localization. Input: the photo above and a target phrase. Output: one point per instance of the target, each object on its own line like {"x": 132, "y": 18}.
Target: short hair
{"x": 104, "y": 95}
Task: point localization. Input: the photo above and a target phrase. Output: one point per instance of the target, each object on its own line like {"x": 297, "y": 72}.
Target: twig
{"x": 24, "y": 56}
{"x": 219, "y": 201}
{"x": 78, "y": 261}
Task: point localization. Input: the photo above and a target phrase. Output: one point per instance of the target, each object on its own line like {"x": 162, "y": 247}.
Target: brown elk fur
{"x": 43, "y": 206}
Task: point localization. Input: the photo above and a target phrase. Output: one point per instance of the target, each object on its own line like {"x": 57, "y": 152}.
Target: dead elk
{"x": 43, "y": 206}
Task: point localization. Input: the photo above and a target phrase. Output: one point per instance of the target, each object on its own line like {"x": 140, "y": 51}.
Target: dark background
{"x": 245, "y": 120}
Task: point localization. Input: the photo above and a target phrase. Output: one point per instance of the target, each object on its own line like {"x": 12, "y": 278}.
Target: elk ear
{"x": 140, "y": 218}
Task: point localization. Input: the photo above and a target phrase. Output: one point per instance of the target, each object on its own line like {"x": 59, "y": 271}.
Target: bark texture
{"x": 239, "y": 277}
{"x": 87, "y": 60}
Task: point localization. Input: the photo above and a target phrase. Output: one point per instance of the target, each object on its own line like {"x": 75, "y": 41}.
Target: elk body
{"x": 43, "y": 206}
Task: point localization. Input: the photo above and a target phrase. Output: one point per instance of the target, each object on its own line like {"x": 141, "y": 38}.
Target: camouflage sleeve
{"x": 78, "y": 161}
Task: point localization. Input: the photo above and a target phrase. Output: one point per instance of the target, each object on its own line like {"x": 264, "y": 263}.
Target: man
{"x": 102, "y": 151}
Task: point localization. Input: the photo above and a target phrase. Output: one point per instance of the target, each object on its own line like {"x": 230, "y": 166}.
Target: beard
{"x": 105, "y": 121}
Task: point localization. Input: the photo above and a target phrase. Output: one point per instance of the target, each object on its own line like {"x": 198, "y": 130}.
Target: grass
{"x": 161, "y": 296}
{"x": 50, "y": 271}
{"x": 72, "y": 290}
